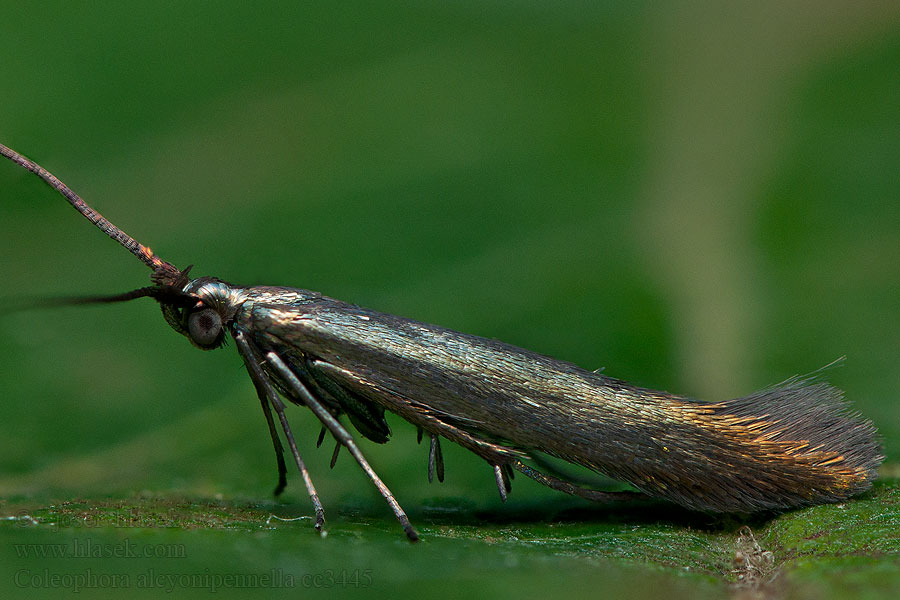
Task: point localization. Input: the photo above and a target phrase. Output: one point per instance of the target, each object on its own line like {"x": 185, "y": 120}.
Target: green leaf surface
{"x": 189, "y": 544}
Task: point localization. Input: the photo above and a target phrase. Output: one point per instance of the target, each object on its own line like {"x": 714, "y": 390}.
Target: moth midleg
{"x": 268, "y": 395}
{"x": 368, "y": 418}
{"x": 421, "y": 416}
{"x": 338, "y": 431}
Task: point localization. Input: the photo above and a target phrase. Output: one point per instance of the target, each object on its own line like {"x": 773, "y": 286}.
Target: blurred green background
{"x": 700, "y": 198}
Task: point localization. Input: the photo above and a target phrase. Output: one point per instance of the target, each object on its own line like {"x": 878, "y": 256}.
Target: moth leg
{"x": 420, "y": 416}
{"x": 569, "y": 488}
{"x": 276, "y": 441}
{"x": 367, "y": 417}
{"x": 338, "y": 431}
{"x": 268, "y": 395}
{"x": 435, "y": 459}
{"x": 504, "y": 486}
{"x": 334, "y": 455}
{"x": 495, "y": 454}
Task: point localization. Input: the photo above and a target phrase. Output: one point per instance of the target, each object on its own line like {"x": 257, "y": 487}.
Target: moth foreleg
{"x": 342, "y": 435}
{"x": 268, "y": 396}
{"x": 276, "y": 441}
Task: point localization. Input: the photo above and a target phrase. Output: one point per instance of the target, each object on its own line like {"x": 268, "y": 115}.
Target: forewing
{"x": 421, "y": 372}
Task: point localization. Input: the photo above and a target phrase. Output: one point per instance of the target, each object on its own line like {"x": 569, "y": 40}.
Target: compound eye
{"x": 205, "y": 328}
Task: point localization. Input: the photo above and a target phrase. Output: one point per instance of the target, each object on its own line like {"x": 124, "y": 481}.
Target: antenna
{"x": 163, "y": 273}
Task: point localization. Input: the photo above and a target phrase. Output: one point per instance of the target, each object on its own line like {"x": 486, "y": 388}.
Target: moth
{"x": 794, "y": 444}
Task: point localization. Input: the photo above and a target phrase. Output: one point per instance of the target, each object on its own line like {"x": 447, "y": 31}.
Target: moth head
{"x": 192, "y": 307}
{"x": 198, "y": 322}
{"x": 199, "y": 310}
